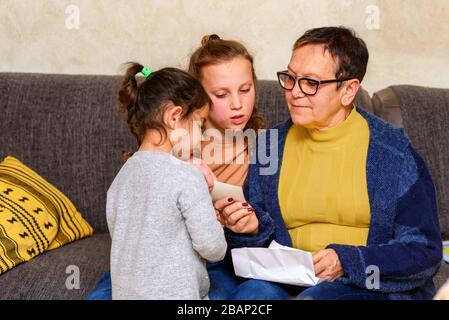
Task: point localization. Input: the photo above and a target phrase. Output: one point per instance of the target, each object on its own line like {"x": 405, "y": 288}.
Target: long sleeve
{"x": 253, "y": 195}
{"x": 260, "y": 191}
{"x": 413, "y": 256}
{"x": 205, "y": 231}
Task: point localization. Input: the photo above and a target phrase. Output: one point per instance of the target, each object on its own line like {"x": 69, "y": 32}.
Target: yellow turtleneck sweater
{"x": 323, "y": 193}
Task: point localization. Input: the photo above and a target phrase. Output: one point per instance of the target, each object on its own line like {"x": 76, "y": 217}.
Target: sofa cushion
{"x": 34, "y": 215}
{"x": 54, "y": 274}
{"x": 425, "y": 114}
{"x": 442, "y": 276}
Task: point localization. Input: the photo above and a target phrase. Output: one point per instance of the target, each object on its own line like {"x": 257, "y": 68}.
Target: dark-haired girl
{"x": 159, "y": 213}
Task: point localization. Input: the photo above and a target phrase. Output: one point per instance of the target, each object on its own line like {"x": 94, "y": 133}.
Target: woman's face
{"x": 230, "y": 86}
{"x": 325, "y": 108}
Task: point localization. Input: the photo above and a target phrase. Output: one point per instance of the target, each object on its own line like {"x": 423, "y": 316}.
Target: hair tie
{"x": 214, "y": 37}
{"x": 206, "y": 40}
{"x": 146, "y": 72}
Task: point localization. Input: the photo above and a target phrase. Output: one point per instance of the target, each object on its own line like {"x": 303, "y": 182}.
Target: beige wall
{"x": 409, "y": 43}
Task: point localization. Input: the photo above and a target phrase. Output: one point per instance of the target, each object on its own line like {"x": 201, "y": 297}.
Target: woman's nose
{"x": 297, "y": 92}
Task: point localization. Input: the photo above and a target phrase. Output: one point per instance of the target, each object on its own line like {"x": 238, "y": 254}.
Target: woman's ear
{"x": 172, "y": 116}
{"x": 349, "y": 91}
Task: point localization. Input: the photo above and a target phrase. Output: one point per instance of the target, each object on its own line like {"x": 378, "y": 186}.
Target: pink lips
{"x": 238, "y": 119}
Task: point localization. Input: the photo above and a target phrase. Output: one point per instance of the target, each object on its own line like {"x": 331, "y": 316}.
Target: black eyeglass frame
{"x": 298, "y": 79}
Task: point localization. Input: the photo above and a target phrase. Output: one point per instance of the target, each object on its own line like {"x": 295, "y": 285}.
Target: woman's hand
{"x": 327, "y": 265}
{"x": 205, "y": 170}
{"x": 237, "y": 216}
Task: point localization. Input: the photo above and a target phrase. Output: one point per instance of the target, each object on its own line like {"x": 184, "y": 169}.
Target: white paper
{"x": 225, "y": 190}
{"x": 276, "y": 263}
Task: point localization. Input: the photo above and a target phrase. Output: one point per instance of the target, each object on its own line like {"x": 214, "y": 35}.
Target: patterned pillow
{"x": 446, "y": 251}
{"x": 34, "y": 215}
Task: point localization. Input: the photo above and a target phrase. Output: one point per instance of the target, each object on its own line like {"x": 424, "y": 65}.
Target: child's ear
{"x": 172, "y": 116}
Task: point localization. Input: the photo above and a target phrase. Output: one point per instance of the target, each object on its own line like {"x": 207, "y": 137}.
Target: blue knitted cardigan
{"x": 404, "y": 240}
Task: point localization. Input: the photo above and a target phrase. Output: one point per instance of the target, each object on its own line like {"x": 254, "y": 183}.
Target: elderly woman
{"x": 349, "y": 188}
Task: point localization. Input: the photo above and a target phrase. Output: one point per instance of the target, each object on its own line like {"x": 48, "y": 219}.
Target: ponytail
{"x": 126, "y": 154}
{"x": 127, "y": 97}
{"x": 209, "y": 39}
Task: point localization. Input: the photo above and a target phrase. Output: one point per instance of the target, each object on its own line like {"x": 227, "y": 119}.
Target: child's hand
{"x": 205, "y": 170}
{"x": 219, "y": 217}
{"x": 237, "y": 216}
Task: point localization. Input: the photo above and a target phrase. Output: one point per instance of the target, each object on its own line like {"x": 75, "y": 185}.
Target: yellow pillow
{"x": 34, "y": 215}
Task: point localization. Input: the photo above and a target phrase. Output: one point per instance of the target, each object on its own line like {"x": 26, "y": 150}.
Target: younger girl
{"x": 159, "y": 210}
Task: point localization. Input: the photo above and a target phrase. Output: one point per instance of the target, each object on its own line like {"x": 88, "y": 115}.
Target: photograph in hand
{"x": 222, "y": 190}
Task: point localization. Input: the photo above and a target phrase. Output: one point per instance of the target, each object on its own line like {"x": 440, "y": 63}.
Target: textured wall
{"x": 408, "y": 39}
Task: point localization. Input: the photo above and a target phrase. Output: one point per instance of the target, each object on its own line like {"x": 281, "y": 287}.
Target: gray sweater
{"x": 163, "y": 226}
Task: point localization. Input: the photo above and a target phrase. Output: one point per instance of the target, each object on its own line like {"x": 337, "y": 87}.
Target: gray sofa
{"x": 67, "y": 129}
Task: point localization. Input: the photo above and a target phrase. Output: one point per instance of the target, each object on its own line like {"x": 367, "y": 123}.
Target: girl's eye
{"x": 245, "y": 90}
{"x": 220, "y": 96}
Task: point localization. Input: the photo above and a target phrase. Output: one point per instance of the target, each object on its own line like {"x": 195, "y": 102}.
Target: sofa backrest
{"x": 66, "y": 128}
{"x": 387, "y": 106}
{"x": 425, "y": 117}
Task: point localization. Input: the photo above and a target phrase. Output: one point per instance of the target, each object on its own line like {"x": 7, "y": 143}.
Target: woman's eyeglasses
{"x": 307, "y": 86}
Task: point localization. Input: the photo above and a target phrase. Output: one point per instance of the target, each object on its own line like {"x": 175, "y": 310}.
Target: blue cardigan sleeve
{"x": 414, "y": 254}
{"x": 253, "y": 195}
